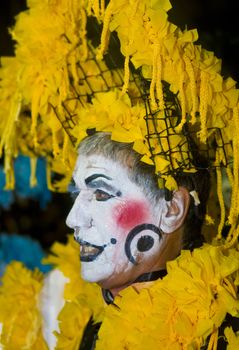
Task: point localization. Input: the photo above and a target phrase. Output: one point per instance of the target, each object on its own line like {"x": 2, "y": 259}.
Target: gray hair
{"x": 140, "y": 173}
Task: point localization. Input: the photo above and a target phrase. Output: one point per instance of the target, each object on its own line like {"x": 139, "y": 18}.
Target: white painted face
{"x": 114, "y": 222}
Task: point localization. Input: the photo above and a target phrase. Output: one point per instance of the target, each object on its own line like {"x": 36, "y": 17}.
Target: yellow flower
{"x": 232, "y": 339}
{"x": 181, "y": 310}
{"x": 72, "y": 321}
{"x": 19, "y": 308}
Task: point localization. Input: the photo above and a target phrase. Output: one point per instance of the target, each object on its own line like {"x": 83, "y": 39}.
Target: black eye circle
{"x": 145, "y": 243}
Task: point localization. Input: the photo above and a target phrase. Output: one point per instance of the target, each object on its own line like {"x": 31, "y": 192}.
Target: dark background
{"x": 217, "y": 24}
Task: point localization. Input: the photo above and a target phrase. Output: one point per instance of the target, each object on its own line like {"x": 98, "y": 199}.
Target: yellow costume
{"x": 184, "y": 310}
{"x": 125, "y": 69}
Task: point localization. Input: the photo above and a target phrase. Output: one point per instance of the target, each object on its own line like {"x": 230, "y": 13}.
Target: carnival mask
{"x": 115, "y": 223}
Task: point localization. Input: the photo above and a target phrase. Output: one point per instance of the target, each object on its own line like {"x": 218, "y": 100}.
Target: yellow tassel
{"x": 231, "y": 233}
{"x": 229, "y": 175}
{"x": 105, "y": 31}
{"x": 36, "y": 98}
{"x": 9, "y": 172}
{"x": 127, "y": 57}
{"x": 182, "y": 99}
{"x": 235, "y": 188}
{"x": 65, "y": 85}
{"x": 126, "y": 75}
{"x": 232, "y": 237}
{"x": 73, "y": 65}
{"x": 89, "y": 8}
{"x": 212, "y": 345}
{"x": 48, "y": 177}
{"x": 56, "y": 148}
{"x": 229, "y": 287}
{"x": 221, "y": 201}
{"x": 203, "y": 106}
{"x": 9, "y": 130}
{"x": 159, "y": 86}
{"x": 96, "y": 8}
{"x": 183, "y": 102}
{"x": 154, "y": 77}
{"x": 231, "y": 181}
{"x": 102, "y": 8}
{"x": 65, "y": 147}
{"x": 33, "y": 178}
{"x": 83, "y": 35}
{"x": 193, "y": 88}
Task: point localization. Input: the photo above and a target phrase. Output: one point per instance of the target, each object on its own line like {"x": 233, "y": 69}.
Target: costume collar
{"x": 146, "y": 277}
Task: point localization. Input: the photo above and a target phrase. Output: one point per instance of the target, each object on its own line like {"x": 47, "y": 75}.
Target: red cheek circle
{"x": 130, "y": 214}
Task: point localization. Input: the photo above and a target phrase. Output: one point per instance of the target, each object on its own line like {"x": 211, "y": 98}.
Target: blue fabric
{"x": 21, "y": 248}
{"x": 22, "y": 187}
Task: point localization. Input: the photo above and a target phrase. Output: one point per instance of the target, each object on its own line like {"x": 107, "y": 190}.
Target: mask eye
{"x": 102, "y": 196}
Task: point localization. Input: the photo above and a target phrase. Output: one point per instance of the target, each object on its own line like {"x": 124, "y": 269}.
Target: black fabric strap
{"x": 108, "y": 296}
{"x": 89, "y": 335}
{"x": 151, "y": 276}
{"x": 146, "y": 277}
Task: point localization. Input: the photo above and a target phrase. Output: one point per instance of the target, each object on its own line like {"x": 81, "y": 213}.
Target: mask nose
{"x": 79, "y": 215}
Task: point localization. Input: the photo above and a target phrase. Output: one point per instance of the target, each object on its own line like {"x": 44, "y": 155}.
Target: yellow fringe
{"x": 221, "y": 201}
{"x": 232, "y": 237}
{"x": 48, "y": 177}
{"x": 126, "y": 75}
{"x": 65, "y": 147}
{"x": 229, "y": 287}
{"x": 183, "y": 102}
{"x": 9, "y": 172}
{"x": 65, "y": 86}
{"x": 229, "y": 175}
{"x": 74, "y": 72}
{"x": 235, "y": 188}
{"x": 193, "y": 88}
{"x": 231, "y": 180}
{"x": 96, "y": 8}
{"x": 9, "y": 130}
{"x": 83, "y": 35}
{"x": 212, "y": 345}
{"x": 154, "y": 77}
{"x": 33, "y": 165}
{"x": 36, "y": 97}
{"x": 56, "y": 148}
{"x": 105, "y": 32}
{"x": 127, "y": 57}
{"x": 159, "y": 86}
{"x": 102, "y": 8}
{"x": 203, "y": 106}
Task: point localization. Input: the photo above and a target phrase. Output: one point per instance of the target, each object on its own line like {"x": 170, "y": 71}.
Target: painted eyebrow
{"x": 101, "y": 183}
{"x": 95, "y": 176}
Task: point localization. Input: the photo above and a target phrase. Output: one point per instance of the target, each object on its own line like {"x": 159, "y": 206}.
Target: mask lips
{"x": 89, "y": 252}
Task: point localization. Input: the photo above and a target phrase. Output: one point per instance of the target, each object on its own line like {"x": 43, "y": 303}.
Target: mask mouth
{"x": 89, "y": 252}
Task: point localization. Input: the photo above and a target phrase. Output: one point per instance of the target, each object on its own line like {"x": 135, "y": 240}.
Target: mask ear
{"x": 174, "y": 211}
